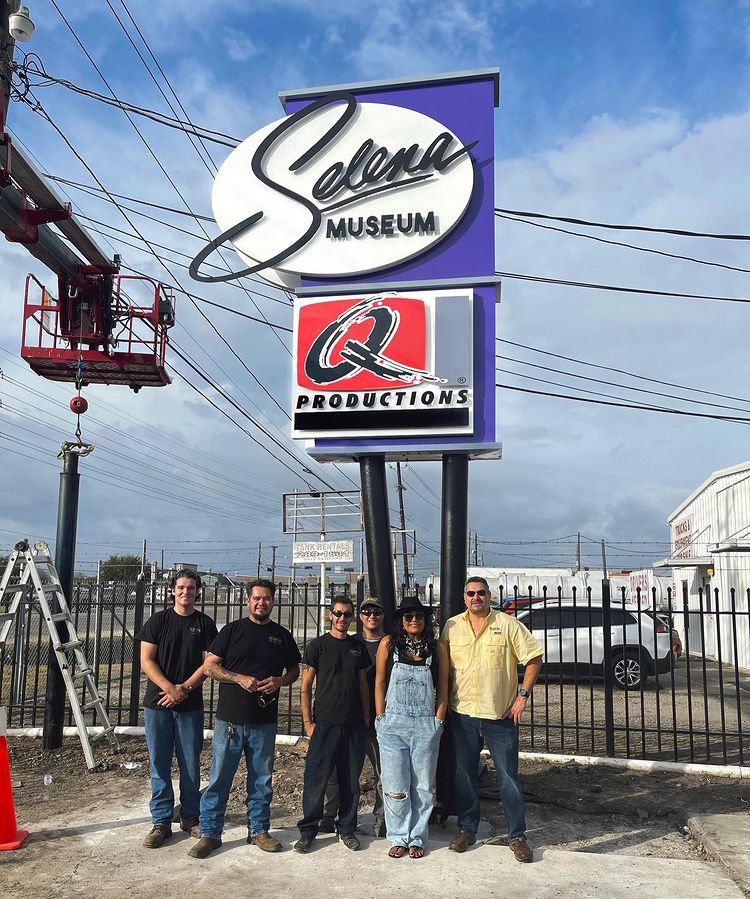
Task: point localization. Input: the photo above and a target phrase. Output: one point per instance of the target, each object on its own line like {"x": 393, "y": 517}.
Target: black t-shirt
{"x": 260, "y": 650}
{"x": 181, "y": 642}
{"x": 337, "y": 664}
{"x": 372, "y": 650}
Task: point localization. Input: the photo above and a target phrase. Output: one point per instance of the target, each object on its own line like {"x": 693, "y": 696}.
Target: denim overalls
{"x": 409, "y": 738}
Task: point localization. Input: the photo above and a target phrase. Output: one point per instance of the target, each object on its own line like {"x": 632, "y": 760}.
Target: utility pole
{"x": 404, "y": 546}
{"x": 143, "y": 559}
{"x": 604, "y": 561}
{"x": 578, "y": 552}
{"x": 273, "y": 563}
{"x": 65, "y": 557}
{"x": 476, "y": 548}
{"x": 260, "y": 549}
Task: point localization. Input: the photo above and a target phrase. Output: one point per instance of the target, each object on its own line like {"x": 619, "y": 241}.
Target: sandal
{"x": 397, "y": 851}
{"x": 416, "y": 852}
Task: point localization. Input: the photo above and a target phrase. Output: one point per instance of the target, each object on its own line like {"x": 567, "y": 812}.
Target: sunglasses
{"x": 339, "y": 614}
{"x": 265, "y": 700}
{"x": 372, "y": 612}
{"x": 477, "y": 592}
{"x": 413, "y": 616}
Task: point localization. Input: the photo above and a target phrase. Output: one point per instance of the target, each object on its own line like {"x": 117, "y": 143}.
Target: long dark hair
{"x": 399, "y": 636}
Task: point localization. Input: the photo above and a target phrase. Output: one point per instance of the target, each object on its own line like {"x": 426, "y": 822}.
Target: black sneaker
{"x": 327, "y": 825}
{"x": 350, "y": 841}
{"x": 304, "y": 843}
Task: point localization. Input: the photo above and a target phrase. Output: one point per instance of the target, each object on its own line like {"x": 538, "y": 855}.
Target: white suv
{"x": 572, "y": 634}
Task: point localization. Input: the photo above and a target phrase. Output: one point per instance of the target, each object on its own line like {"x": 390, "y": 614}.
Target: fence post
{"x": 135, "y": 671}
{"x": 609, "y": 710}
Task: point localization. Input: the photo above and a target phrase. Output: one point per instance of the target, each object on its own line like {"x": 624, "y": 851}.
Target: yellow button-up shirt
{"x": 484, "y": 666}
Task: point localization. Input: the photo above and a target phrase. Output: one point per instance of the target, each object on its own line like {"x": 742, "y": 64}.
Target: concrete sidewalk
{"x": 97, "y": 852}
{"x": 727, "y": 838}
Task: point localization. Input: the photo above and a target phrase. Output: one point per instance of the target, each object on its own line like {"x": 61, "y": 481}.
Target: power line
{"x": 629, "y": 246}
{"x": 639, "y": 407}
{"x": 621, "y": 371}
{"x": 575, "y": 221}
{"x": 616, "y": 288}
{"x": 610, "y": 384}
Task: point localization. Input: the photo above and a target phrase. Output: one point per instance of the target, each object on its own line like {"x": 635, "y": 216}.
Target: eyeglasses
{"x": 339, "y": 614}
{"x": 372, "y": 612}
{"x": 413, "y": 616}
{"x": 477, "y": 592}
{"x": 264, "y": 699}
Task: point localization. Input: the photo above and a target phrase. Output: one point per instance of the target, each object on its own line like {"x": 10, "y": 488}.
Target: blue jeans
{"x": 332, "y": 746}
{"x": 501, "y": 736}
{"x": 258, "y": 743}
{"x": 409, "y": 737}
{"x": 170, "y": 732}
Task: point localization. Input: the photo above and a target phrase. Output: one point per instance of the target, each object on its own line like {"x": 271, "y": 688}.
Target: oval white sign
{"x": 340, "y": 188}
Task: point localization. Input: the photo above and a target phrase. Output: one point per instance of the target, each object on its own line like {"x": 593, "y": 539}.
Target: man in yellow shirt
{"x": 485, "y": 648}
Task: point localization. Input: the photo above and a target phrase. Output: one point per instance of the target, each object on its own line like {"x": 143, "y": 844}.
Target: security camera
{"x": 20, "y": 25}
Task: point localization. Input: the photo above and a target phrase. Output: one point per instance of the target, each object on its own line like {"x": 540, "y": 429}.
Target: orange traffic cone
{"x": 10, "y": 838}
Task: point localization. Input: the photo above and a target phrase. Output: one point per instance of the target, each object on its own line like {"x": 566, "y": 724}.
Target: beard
{"x": 260, "y": 618}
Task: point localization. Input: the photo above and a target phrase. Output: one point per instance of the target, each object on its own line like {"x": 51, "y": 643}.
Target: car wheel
{"x": 628, "y": 671}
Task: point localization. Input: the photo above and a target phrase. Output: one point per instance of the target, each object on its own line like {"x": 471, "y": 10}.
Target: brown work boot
{"x": 265, "y": 842}
{"x": 204, "y": 847}
{"x": 190, "y": 825}
{"x": 521, "y": 849}
{"x": 156, "y": 836}
{"x": 462, "y": 840}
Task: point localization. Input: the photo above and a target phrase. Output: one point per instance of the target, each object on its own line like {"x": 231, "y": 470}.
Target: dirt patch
{"x": 571, "y": 806}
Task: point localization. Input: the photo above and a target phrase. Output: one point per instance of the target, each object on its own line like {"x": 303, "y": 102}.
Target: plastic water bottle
{"x": 47, "y": 779}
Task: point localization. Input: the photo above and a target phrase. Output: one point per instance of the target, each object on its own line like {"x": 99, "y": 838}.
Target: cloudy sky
{"x": 624, "y": 113}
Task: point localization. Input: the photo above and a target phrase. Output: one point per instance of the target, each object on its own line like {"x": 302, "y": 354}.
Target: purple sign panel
{"x": 374, "y": 203}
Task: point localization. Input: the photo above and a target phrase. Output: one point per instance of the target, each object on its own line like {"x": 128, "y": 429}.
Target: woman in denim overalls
{"x": 413, "y": 668}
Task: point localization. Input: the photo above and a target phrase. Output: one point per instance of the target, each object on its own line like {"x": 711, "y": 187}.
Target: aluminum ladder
{"x": 37, "y": 567}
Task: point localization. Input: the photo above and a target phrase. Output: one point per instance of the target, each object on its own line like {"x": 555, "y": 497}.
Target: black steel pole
{"x": 609, "y": 702}
{"x": 65, "y": 553}
{"x": 135, "y": 674}
{"x": 378, "y": 533}
{"x": 453, "y": 536}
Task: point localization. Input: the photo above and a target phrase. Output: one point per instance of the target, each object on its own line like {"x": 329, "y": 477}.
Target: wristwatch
{"x": 524, "y": 693}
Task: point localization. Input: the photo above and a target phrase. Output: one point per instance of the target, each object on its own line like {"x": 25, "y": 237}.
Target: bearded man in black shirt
{"x": 251, "y": 659}
{"x": 336, "y": 726}
{"x": 173, "y": 649}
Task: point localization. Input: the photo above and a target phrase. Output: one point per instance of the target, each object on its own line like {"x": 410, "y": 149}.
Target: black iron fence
{"x": 619, "y": 679}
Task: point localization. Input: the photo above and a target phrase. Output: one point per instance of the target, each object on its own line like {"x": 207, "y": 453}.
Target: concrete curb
{"x": 727, "y": 839}
{"x": 123, "y": 731}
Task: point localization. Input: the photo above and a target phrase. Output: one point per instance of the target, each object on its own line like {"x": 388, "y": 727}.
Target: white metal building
{"x": 710, "y": 559}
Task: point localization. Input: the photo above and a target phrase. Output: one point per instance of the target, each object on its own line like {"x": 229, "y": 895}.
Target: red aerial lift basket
{"x": 95, "y": 332}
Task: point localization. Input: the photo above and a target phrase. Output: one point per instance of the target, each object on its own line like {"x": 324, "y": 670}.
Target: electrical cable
{"x": 576, "y": 221}
{"x": 621, "y": 371}
{"x": 629, "y": 246}
{"x": 642, "y": 408}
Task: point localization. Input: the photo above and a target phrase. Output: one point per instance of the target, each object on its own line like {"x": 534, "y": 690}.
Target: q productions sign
{"x": 375, "y": 202}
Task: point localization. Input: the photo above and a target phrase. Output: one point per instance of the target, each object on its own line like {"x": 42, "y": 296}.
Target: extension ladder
{"x": 36, "y": 566}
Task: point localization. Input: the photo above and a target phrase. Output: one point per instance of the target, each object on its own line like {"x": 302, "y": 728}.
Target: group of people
{"x": 384, "y": 696}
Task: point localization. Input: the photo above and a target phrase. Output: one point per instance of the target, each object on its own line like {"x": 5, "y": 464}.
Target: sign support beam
{"x": 453, "y": 535}
{"x": 378, "y": 533}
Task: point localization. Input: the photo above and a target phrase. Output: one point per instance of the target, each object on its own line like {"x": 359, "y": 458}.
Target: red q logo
{"x": 368, "y": 344}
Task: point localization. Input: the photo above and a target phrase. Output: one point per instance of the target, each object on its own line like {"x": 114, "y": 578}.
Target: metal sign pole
{"x": 453, "y": 536}
{"x": 378, "y": 533}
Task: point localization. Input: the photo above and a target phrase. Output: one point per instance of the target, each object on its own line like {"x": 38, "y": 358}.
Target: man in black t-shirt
{"x": 173, "y": 649}
{"x": 371, "y": 619}
{"x": 251, "y": 659}
{"x": 337, "y": 725}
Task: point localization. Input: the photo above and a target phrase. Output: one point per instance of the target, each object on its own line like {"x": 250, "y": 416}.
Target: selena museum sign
{"x": 374, "y": 204}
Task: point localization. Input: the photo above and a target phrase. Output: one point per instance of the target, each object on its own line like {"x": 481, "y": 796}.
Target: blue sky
{"x": 623, "y": 112}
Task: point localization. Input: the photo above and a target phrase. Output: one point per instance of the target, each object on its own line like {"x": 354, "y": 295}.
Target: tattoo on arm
{"x": 216, "y": 672}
